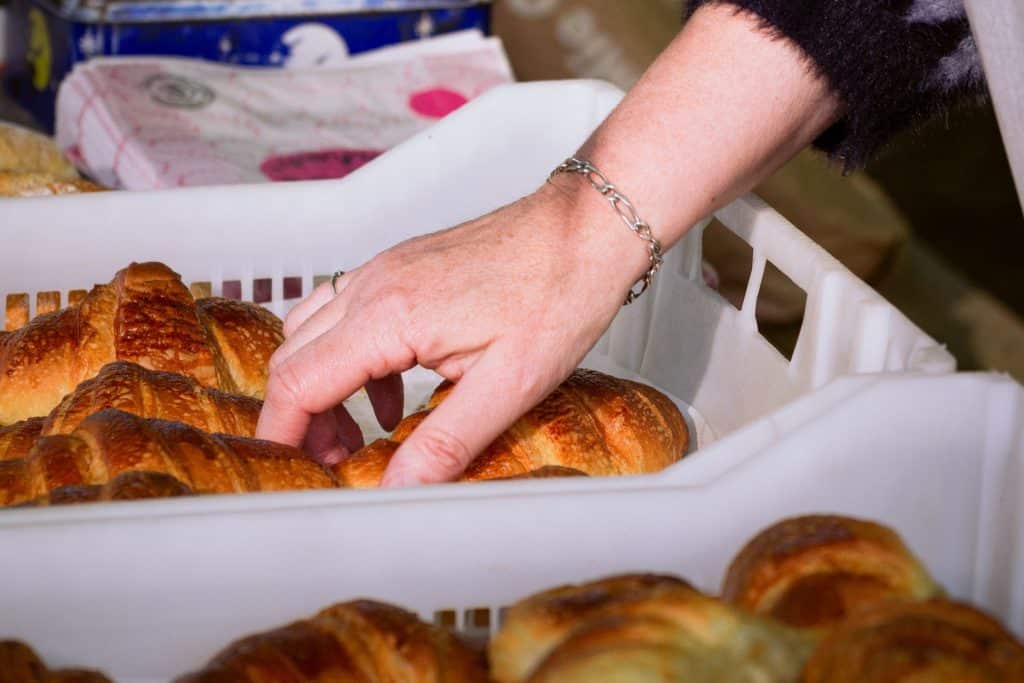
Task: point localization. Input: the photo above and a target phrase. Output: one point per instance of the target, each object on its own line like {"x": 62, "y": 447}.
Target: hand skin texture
{"x": 508, "y": 304}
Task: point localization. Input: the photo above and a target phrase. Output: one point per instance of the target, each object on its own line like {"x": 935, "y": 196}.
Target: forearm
{"x": 893, "y": 63}
{"x": 720, "y": 109}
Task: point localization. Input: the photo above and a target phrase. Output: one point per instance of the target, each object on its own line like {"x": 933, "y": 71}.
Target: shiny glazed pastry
{"x": 133, "y": 389}
{"x": 20, "y": 664}
{"x": 353, "y": 642}
{"x": 134, "y": 485}
{"x": 935, "y": 641}
{"x": 17, "y": 440}
{"x": 814, "y": 571}
{"x": 594, "y": 423}
{"x": 111, "y": 442}
{"x": 641, "y": 628}
{"x": 147, "y": 316}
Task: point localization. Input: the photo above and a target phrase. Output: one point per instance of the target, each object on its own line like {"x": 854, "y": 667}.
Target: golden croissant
{"x": 592, "y": 423}
{"x": 814, "y": 571}
{"x": 132, "y": 485}
{"x": 637, "y": 628}
{"x": 20, "y": 664}
{"x": 17, "y": 440}
{"x": 133, "y": 389}
{"x": 934, "y": 640}
{"x": 110, "y": 442}
{"x": 146, "y": 315}
{"x": 360, "y": 641}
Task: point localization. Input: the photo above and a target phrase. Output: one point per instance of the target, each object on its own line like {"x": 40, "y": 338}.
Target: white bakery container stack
{"x": 867, "y": 419}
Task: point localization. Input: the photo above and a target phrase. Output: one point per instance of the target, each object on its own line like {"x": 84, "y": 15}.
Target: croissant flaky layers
{"x": 815, "y": 571}
{"x": 147, "y": 393}
{"x": 145, "y": 315}
{"x": 358, "y": 642}
{"x": 592, "y": 423}
{"x": 641, "y": 628}
{"x": 110, "y": 443}
{"x": 814, "y": 599}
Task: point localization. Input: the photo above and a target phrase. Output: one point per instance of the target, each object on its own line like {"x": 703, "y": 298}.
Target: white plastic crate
{"x": 149, "y": 589}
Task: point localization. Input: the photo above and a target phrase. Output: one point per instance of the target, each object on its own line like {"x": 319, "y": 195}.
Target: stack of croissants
{"x": 139, "y": 390}
{"x": 814, "y": 599}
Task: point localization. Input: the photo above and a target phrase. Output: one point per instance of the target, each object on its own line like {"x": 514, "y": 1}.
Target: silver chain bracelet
{"x": 627, "y": 212}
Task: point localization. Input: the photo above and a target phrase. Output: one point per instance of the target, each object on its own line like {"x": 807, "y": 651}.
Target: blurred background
{"x": 933, "y": 223}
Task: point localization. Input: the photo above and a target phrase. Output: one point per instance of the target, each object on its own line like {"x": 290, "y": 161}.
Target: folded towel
{"x": 146, "y": 123}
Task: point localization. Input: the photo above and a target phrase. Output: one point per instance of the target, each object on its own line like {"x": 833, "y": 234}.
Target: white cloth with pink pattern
{"x": 146, "y": 123}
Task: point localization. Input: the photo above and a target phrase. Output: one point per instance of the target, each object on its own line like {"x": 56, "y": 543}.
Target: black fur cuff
{"x": 893, "y": 62}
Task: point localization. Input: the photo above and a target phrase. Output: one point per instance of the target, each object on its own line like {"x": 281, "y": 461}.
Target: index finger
{"x": 316, "y": 378}
{"x": 307, "y": 307}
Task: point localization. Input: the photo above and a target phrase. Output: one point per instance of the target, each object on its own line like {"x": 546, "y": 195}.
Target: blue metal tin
{"x": 45, "y": 39}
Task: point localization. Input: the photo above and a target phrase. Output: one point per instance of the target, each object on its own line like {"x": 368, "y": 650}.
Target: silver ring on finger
{"x": 334, "y": 280}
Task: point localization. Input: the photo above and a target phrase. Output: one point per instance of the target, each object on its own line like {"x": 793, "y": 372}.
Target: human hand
{"x": 506, "y": 306}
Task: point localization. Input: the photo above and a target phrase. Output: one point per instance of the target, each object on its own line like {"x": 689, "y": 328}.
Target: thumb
{"x": 482, "y": 405}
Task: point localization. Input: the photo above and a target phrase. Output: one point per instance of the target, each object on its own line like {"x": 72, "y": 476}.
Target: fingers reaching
{"x": 316, "y": 378}
{"x": 481, "y": 406}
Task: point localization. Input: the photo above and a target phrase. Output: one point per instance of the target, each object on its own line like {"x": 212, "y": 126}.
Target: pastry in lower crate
{"x": 641, "y": 628}
{"x": 593, "y": 423}
{"x": 361, "y": 641}
{"x": 111, "y": 442}
{"x": 146, "y": 315}
{"x": 134, "y": 485}
{"x": 934, "y": 641}
{"x": 133, "y": 389}
{"x": 814, "y": 571}
{"x": 20, "y": 664}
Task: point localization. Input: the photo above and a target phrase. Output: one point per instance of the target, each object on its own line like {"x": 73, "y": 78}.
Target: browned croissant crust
{"x": 19, "y": 664}
{"x": 112, "y": 442}
{"x": 135, "y": 485}
{"x": 147, "y": 316}
{"x": 934, "y": 641}
{"x": 814, "y": 571}
{"x": 641, "y": 628}
{"x": 16, "y": 440}
{"x": 549, "y": 472}
{"x": 147, "y": 393}
{"x": 353, "y": 642}
{"x": 161, "y": 395}
{"x": 593, "y": 423}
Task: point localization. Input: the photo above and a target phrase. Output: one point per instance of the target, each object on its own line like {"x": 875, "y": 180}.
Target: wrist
{"x": 603, "y": 245}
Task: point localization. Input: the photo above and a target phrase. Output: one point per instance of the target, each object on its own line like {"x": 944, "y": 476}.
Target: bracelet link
{"x": 627, "y": 212}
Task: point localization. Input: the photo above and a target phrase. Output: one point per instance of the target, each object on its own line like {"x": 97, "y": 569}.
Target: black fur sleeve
{"x": 893, "y": 62}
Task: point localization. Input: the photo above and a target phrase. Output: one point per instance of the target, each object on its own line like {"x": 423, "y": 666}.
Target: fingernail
{"x": 334, "y": 456}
